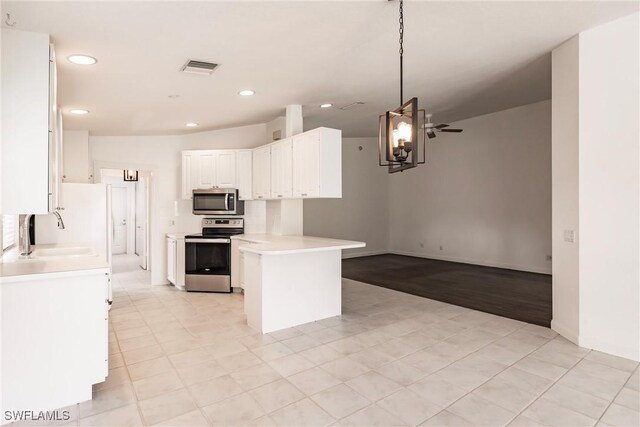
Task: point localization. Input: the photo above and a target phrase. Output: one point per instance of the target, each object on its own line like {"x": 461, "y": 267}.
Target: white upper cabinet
{"x": 281, "y": 172}
{"x": 244, "y": 161}
{"x": 31, "y": 124}
{"x": 308, "y": 165}
{"x": 207, "y": 169}
{"x": 226, "y": 169}
{"x": 317, "y": 164}
{"x": 262, "y": 172}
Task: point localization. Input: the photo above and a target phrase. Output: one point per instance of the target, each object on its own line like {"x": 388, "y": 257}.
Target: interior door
{"x": 119, "y": 218}
{"x": 141, "y": 222}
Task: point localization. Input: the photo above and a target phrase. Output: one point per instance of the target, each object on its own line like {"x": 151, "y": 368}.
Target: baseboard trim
{"x": 611, "y": 347}
{"x": 362, "y": 254}
{"x": 564, "y": 331}
{"x": 470, "y": 261}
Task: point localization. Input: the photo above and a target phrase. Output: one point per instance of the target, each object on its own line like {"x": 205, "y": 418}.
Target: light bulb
{"x": 404, "y": 131}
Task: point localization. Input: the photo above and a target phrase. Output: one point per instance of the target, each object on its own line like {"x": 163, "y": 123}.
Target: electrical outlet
{"x": 548, "y": 257}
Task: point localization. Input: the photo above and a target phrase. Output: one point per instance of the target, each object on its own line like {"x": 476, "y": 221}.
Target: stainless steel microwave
{"x": 217, "y": 201}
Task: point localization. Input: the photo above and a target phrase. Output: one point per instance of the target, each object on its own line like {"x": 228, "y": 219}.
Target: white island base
{"x": 293, "y": 282}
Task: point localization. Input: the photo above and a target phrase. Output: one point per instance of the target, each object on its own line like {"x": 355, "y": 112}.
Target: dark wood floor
{"x": 515, "y": 294}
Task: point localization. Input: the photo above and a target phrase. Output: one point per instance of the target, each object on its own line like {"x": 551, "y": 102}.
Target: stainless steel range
{"x": 208, "y": 255}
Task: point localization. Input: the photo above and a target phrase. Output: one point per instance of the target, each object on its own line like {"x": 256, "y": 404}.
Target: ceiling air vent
{"x": 198, "y": 67}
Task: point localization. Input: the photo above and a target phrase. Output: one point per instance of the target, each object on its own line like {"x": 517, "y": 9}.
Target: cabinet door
{"x": 244, "y": 174}
{"x": 189, "y": 172}
{"x": 262, "y": 173}
{"x": 281, "y": 172}
{"x": 225, "y": 169}
{"x": 171, "y": 260}
{"x": 206, "y": 170}
{"x": 306, "y": 165}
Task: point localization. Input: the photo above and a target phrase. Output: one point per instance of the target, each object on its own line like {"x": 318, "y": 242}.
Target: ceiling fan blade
{"x": 451, "y": 130}
{"x": 441, "y": 125}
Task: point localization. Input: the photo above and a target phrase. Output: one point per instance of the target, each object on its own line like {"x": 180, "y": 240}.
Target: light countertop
{"x": 13, "y": 264}
{"x": 271, "y": 244}
{"x": 180, "y": 235}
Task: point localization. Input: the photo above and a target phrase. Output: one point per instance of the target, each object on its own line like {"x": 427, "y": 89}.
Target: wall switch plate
{"x": 569, "y": 236}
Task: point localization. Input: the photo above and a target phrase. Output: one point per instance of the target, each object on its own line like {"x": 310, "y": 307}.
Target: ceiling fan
{"x": 432, "y": 128}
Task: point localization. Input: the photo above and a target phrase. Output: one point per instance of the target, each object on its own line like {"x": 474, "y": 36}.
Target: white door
{"x": 141, "y": 222}
{"x": 119, "y": 217}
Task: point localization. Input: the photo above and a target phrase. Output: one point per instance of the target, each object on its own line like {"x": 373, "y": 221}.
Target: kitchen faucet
{"x": 26, "y": 241}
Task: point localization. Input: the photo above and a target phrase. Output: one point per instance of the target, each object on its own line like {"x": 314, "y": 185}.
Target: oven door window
{"x": 208, "y": 259}
{"x": 209, "y": 202}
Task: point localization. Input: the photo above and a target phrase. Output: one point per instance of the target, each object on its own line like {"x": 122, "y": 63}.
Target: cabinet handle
{"x": 259, "y": 197}
{"x": 279, "y": 195}
{"x": 304, "y": 194}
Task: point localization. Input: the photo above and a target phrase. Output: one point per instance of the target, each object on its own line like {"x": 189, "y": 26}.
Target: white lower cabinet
{"x": 54, "y": 338}
{"x": 175, "y": 260}
{"x": 172, "y": 259}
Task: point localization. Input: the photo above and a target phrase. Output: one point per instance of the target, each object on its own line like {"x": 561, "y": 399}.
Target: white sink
{"x": 69, "y": 251}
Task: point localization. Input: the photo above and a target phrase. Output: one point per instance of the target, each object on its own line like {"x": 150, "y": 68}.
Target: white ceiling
{"x": 462, "y": 59}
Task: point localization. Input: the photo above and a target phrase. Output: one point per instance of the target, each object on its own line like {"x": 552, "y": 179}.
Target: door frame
{"x": 150, "y": 169}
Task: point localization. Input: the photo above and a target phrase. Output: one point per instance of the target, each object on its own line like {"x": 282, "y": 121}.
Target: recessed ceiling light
{"x": 191, "y": 125}
{"x": 79, "y": 111}
{"x": 82, "y": 59}
{"x": 246, "y": 92}
{"x": 326, "y": 105}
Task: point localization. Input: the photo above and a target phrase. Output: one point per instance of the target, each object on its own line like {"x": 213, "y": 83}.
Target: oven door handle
{"x": 207, "y": 240}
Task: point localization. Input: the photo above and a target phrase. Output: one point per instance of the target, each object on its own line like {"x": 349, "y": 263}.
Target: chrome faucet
{"x": 60, "y": 221}
{"x": 26, "y": 240}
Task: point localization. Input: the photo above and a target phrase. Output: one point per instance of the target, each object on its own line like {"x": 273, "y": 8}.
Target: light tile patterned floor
{"x": 189, "y": 359}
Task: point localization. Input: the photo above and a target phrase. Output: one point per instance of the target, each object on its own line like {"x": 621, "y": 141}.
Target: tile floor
{"x": 189, "y": 359}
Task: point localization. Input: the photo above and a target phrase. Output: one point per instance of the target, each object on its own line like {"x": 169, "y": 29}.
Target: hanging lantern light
{"x": 402, "y": 130}
{"x": 130, "y": 175}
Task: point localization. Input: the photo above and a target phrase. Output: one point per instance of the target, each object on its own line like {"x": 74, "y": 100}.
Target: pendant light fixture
{"x": 130, "y": 175}
{"x": 401, "y": 131}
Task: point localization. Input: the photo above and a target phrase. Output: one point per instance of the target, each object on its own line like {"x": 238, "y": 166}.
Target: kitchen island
{"x": 290, "y": 280}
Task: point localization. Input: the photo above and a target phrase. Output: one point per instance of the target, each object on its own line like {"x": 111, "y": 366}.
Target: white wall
{"x": 565, "y": 278}
{"x": 484, "y": 195}
{"x": 596, "y": 133}
{"x": 161, "y": 155}
{"x": 610, "y": 188}
{"x": 75, "y": 157}
{"x": 363, "y": 212}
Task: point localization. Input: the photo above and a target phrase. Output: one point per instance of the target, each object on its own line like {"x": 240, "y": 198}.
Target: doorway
{"x": 129, "y": 216}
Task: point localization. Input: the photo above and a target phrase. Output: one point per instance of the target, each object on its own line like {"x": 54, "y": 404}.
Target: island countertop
{"x": 271, "y": 244}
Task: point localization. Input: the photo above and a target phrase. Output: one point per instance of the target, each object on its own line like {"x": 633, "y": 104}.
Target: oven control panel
{"x": 222, "y": 223}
